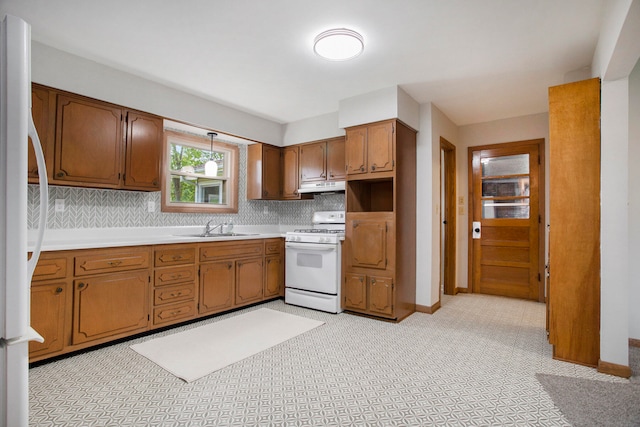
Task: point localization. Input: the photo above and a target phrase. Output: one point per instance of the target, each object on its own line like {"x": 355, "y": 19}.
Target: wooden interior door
{"x": 506, "y": 219}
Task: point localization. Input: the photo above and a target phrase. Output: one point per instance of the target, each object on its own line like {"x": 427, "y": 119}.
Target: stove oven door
{"x": 313, "y": 267}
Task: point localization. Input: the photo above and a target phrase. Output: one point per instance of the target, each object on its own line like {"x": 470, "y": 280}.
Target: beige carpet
{"x": 194, "y": 353}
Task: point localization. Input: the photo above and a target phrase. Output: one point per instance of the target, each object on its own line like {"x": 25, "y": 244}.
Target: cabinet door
{"x": 380, "y": 147}
{"x": 271, "y": 172}
{"x": 381, "y": 295}
{"x": 273, "y": 276}
{"x": 335, "y": 159}
{"x": 367, "y": 243}
{"x": 216, "y": 286}
{"x": 355, "y": 151}
{"x": 355, "y": 291}
{"x": 313, "y": 166}
{"x": 88, "y": 145}
{"x": 144, "y": 151}
{"x": 290, "y": 172}
{"x": 249, "y": 280}
{"x": 48, "y": 307}
{"x": 110, "y": 306}
{"x": 40, "y": 113}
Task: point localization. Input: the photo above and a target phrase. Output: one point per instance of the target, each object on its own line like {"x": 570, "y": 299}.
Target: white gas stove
{"x": 313, "y": 263}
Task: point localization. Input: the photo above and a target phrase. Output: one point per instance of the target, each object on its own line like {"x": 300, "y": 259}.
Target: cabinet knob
{"x": 373, "y": 281}
{"x": 362, "y": 169}
{"x": 155, "y": 182}
{"x": 60, "y": 175}
{"x": 58, "y": 290}
{"x": 81, "y": 285}
{"x": 373, "y": 167}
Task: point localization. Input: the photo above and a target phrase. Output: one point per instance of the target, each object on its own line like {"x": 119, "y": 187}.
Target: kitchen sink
{"x": 216, "y": 235}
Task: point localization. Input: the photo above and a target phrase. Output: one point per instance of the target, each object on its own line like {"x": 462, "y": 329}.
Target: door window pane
{"x": 505, "y": 165}
{"x": 509, "y": 208}
{"x": 505, "y": 187}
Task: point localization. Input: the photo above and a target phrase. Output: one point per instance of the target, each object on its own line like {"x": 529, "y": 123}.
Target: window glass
{"x": 505, "y": 165}
{"x": 505, "y": 187}
{"x": 200, "y": 176}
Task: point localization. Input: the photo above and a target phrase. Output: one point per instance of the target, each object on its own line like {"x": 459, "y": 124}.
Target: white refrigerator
{"x": 16, "y": 125}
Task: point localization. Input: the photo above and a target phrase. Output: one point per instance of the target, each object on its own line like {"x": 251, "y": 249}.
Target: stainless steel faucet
{"x": 208, "y": 230}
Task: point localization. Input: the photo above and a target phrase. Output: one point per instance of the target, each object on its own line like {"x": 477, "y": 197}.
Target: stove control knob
{"x": 298, "y": 238}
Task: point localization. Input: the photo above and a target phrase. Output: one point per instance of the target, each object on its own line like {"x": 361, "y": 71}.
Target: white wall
{"x": 434, "y": 124}
{"x": 634, "y": 202}
{"x": 62, "y": 70}
{"x": 382, "y": 104}
{"x": 508, "y": 130}
{"x": 312, "y": 129}
{"x": 614, "y": 237}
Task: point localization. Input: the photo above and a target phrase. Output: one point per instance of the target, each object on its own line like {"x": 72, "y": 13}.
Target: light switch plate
{"x": 151, "y": 206}
{"x": 59, "y": 206}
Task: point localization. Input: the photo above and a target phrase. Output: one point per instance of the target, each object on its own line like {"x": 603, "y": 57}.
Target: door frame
{"x": 542, "y": 194}
{"x": 449, "y": 209}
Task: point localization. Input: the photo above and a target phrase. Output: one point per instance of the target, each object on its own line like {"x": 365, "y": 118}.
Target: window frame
{"x": 203, "y": 143}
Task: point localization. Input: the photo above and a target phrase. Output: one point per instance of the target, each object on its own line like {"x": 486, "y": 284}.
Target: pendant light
{"x": 211, "y": 167}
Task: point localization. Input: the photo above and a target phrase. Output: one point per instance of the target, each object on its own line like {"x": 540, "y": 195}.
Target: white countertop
{"x": 89, "y": 238}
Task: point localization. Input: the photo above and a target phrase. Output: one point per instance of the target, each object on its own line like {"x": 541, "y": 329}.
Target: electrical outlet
{"x": 59, "y": 206}
{"x": 461, "y": 200}
{"x": 460, "y": 210}
{"x": 265, "y": 210}
{"x": 151, "y": 206}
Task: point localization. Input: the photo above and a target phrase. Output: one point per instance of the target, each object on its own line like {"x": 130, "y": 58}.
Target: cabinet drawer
{"x": 175, "y": 256}
{"x": 50, "y": 269}
{"x": 171, "y": 294}
{"x": 227, "y": 250}
{"x": 111, "y": 261}
{"x": 175, "y": 312}
{"x": 272, "y": 247}
{"x": 168, "y": 276}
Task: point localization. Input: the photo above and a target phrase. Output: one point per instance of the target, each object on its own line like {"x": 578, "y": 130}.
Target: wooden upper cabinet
{"x": 313, "y": 162}
{"x": 322, "y": 160}
{"x": 369, "y": 149}
{"x": 88, "y": 147}
{"x": 45, "y": 124}
{"x": 91, "y": 143}
{"x": 356, "y": 151}
{"x": 264, "y": 172}
{"x": 380, "y": 147}
{"x": 143, "y": 151}
{"x": 290, "y": 181}
{"x": 335, "y": 159}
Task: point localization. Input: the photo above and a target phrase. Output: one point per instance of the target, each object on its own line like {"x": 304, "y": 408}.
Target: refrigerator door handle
{"x": 44, "y": 197}
{"x": 31, "y": 335}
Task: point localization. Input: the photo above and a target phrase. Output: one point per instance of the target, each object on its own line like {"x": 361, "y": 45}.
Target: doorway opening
{"x": 447, "y": 217}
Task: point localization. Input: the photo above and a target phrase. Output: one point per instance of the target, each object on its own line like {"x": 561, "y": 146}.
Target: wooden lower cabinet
{"x": 369, "y": 294}
{"x": 110, "y": 306}
{"x": 82, "y": 298}
{"x": 48, "y": 308}
{"x": 249, "y": 280}
{"x": 217, "y": 282}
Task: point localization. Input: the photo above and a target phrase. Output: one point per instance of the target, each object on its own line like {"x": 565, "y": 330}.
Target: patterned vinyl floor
{"x": 472, "y": 363}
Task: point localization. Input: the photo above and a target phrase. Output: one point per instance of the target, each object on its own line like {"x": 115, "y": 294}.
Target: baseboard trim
{"x": 462, "y": 290}
{"x": 614, "y": 369}
{"x": 428, "y": 309}
{"x": 634, "y": 342}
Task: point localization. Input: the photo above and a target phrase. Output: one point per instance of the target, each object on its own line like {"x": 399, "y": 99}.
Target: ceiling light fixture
{"x": 338, "y": 44}
{"x": 211, "y": 167}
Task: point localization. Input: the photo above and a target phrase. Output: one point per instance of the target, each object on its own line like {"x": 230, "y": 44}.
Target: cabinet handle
{"x": 60, "y": 175}
{"x": 155, "y": 182}
{"x": 81, "y": 285}
{"x": 114, "y": 263}
{"x": 176, "y": 257}
{"x": 373, "y": 281}
{"x": 229, "y": 266}
{"x": 176, "y": 276}
{"x": 362, "y": 169}
{"x": 361, "y": 279}
{"x": 373, "y": 167}
{"x": 58, "y": 290}
{"x": 176, "y": 294}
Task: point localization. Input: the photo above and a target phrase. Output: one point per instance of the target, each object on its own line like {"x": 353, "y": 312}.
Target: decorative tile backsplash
{"x": 93, "y": 208}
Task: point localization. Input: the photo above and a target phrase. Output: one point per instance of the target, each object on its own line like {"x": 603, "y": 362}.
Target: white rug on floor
{"x": 197, "y": 352}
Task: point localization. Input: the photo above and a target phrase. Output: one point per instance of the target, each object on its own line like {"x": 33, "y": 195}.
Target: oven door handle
{"x": 311, "y": 246}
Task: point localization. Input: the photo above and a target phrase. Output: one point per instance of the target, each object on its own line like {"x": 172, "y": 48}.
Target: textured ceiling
{"x": 476, "y": 60}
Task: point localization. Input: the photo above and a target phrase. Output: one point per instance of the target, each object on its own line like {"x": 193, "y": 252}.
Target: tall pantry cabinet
{"x": 573, "y": 301}
{"x": 380, "y": 245}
